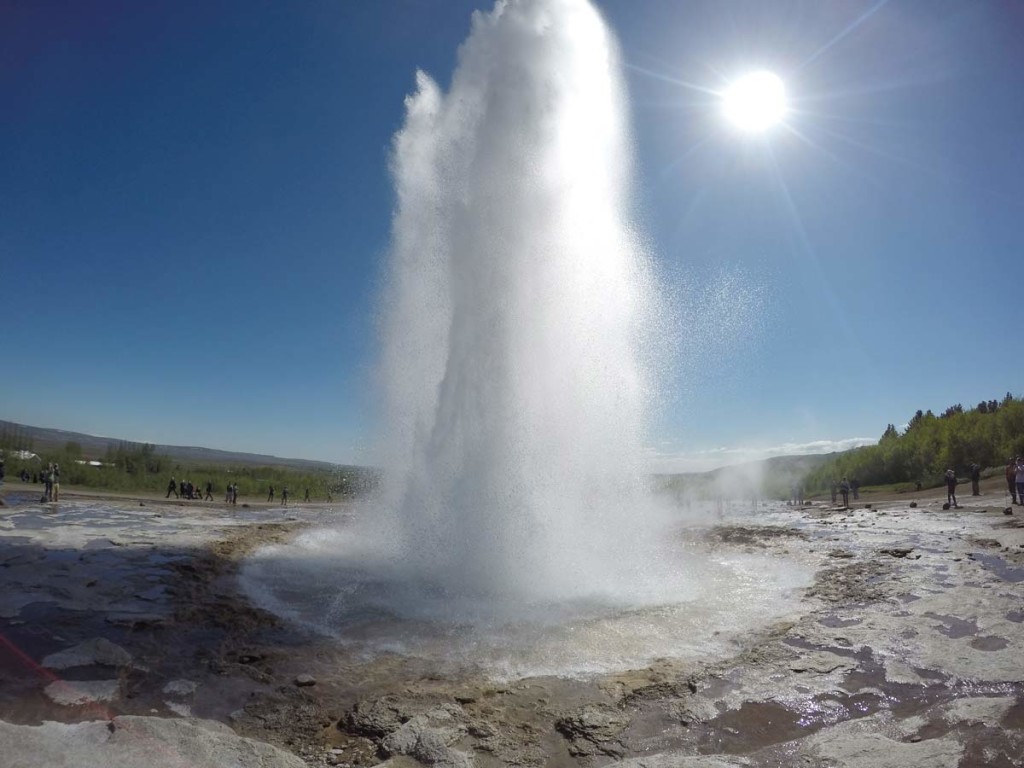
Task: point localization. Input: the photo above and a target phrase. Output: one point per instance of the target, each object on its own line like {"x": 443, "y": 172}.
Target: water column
{"x": 516, "y": 316}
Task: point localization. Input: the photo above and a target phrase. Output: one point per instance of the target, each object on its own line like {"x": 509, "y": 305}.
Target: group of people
{"x": 186, "y": 490}
{"x": 284, "y": 495}
{"x": 846, "y": 487}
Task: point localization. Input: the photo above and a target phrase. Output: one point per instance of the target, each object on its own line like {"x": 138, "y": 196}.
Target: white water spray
{"x": 516, "y": 314}
{"x": 515, "y": 529}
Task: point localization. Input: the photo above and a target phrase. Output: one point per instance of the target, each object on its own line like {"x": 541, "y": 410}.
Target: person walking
{"x": 975, "y": 479}
{"x": 209, "y": 491}
{"x": 1011, "y": 477}
{"x": 172, "y": 487}
{"x": 48, "y": 479}
{"x": 951, "y": 489}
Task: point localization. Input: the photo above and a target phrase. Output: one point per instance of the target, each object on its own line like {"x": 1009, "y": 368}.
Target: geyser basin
{"x": 337, "y": 583}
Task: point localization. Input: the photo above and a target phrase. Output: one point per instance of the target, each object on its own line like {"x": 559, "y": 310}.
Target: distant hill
{"x": 95, "y": 447}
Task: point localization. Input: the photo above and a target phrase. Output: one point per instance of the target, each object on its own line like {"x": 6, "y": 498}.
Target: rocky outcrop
{"x": 594, "y": 730}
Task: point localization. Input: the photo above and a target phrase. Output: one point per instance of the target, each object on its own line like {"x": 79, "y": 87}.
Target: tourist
{"x": 975, "y": 479}
{"x": 48, "y": 479}
{"x": 1011, "y": 478}
{"x": 270, "y": 494}
{"x": 306, "y": 497}
{"x": 234, "y": 493}
{"x": 835, "y": 490}
{"x": 284, "y": 495}
{"x": 1020, "y": 480}
{"x": 209, "y": 491}
{"x": 56, "y": 483}
{"x": 844, "y": 488}
{"x": 951, "y": 488}
{"x": 855, "y": 487}
{"x": 172, "y": 487}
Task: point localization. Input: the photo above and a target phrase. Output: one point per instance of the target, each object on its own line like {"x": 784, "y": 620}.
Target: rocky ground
{"x": 124, "y": 642}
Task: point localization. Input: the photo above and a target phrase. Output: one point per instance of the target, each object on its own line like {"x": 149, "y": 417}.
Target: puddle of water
{"x": 954, "y": 627}
{"x": 835, "y": 622}
{"x": 989, "y": 643}
{"x": 999, "y": 567}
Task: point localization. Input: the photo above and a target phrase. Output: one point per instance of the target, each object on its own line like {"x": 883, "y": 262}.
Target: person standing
{"x": 855, "y": 487}
{"x": 56, "y": 482}
{"x": 284, "y": 495}
{"x": 234, "y": 493}
{"x": 270, "y": 494}
{"x": 951, "y": 488}
{"x": 835, "y": 490}
{"x": 1020, "y": 480}
{"x": 306, "y": 498}
{"x": 1011, "y": 478}
{"x": 172, "y": 487}
{"x": 975, "y": 479}
{"x": 209, "y": 491}
{"x": 48, "y": 479}
{"x": 844, "y": 488}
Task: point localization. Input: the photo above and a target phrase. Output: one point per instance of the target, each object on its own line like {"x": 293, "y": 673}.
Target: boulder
{"x": 429, "y": 738}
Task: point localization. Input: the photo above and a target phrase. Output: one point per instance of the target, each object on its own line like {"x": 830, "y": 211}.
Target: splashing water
{"x": 519, "y": 319}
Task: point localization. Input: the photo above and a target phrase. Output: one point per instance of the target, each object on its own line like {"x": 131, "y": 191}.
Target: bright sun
{"x": 755, "y": 102}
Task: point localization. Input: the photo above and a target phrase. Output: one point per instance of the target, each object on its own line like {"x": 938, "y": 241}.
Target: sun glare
{"x": 755, "y": 102}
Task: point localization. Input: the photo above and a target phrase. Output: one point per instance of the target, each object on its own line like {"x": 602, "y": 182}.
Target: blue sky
{"x": 195, "y": 204}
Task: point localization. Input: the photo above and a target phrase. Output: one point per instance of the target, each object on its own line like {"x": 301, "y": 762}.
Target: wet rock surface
{"x": 906, "y": 651}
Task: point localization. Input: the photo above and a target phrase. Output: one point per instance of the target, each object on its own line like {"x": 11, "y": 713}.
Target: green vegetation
{"x": 134, "y": 467}
{"x": 987, "y": 435}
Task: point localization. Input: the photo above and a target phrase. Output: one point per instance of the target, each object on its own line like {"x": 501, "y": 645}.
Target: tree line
{"x": 987, "y": 434}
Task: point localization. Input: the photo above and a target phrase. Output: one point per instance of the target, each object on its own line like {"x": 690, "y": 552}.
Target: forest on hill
{"x": 987, "y": 435}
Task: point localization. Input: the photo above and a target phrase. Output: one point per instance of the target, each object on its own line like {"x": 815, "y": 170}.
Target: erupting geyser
{"x": 516, "y": 316}
{"x": 514, "y": 529}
